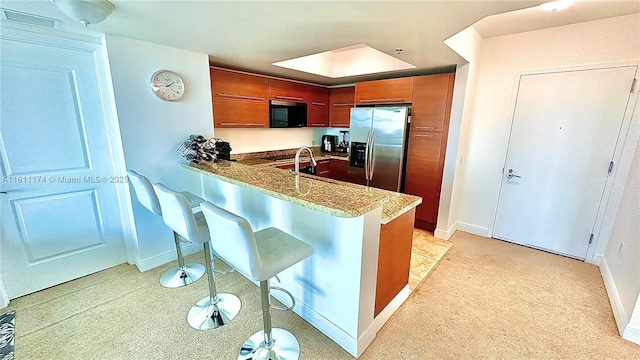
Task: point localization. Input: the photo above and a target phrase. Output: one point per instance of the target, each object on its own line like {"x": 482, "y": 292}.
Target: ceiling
{"x": 251, "y": 35}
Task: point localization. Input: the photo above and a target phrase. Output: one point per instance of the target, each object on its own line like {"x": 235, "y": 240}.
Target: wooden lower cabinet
{"x": 424, "y": 175}
{"x": 323, "y": 168}
{"x": 339, "y": 169}
{"x": 236, "y": 113}
{"x": 394, "y": 259}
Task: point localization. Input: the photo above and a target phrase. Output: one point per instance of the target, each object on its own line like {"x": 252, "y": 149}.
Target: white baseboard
{"x": 445, "y": 234}
{"x": 321, "y": 323}
{"x": 632, "y": 334}
{"x": 595, "y": 260}
{"x": 473, "y": 229}
{"x": 153, "y": 262}
{"x": 346, "y": 341}
{"x": 620, "y": 315}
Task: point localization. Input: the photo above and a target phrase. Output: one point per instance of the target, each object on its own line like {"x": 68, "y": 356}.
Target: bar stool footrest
{"x": 283, "y": 308}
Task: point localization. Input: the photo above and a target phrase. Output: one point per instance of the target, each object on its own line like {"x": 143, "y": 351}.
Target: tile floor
{"x": 425, "y": 254}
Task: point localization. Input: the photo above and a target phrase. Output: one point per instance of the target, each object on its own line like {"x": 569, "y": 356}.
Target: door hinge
{"x": 610, "y": 167}
{"x": 633, "y": 84}
{"x": 591, "y": 239}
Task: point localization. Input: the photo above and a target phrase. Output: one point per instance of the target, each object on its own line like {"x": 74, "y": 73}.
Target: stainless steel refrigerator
{"x": 377, "y": 146}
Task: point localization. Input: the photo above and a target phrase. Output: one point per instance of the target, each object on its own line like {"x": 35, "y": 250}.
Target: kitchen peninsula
{"x": 358, "y": 274}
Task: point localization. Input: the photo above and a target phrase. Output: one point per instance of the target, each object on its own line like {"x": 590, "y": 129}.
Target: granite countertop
{"x": 330, "y": 196}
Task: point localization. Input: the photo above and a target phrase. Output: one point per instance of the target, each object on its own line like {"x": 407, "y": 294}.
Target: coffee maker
{"x": 329, "y": 143}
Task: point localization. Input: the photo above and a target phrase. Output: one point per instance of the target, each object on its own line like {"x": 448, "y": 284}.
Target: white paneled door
{"x": 565, "y": 130}
{"x": 59, "y": 210}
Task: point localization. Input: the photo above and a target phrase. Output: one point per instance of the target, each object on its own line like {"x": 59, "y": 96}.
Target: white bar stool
{"x": 183, "y": 274}
{"x": 216, "y": 309}
{"x": 262, "y": 255}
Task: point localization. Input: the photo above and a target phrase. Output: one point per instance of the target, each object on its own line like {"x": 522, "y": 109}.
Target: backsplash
{"x": 252, "y": 140}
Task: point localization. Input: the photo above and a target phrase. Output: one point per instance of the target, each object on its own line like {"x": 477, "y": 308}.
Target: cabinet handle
{"x": 425, "y": 127}
{"x": 382, "y": 100}
{"x": 288, "y": 97}
{"x": 240, "y": 124}
{"x": 241, "y": 97}
{"x": 324, "y": 161}
{"x": 343, "y": 125}
{"x": 345, "y": 104}
{"x": 317, "y": 103}
{"x": 323, "y": 172}
{"x": 318, "y": 124}
{"x": 424, "y": 135}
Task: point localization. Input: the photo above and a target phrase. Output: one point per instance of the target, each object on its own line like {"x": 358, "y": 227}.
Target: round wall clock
{"x": 167, "y": 85}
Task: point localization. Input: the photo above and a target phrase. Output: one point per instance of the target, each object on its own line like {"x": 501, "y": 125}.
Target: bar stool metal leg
{"x": 215, "y": 310}
{"x": 269, "y": 343}
{"x": 183, "y": 274}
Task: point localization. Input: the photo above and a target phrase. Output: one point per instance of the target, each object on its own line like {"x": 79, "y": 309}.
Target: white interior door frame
{"x": 629, "y": 136}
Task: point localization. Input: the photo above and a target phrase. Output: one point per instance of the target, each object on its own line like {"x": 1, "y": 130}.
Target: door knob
{"x": 511, "y": 175}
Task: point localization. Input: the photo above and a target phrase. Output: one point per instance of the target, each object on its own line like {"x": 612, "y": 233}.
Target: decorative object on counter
{"x": 167, "y": 85}
{"x": 198, "y": 149}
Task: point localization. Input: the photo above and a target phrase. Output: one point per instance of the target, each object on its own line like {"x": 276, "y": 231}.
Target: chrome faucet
{"x": 297, "y": 160}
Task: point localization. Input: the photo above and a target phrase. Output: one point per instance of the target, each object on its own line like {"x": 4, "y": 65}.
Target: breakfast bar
{"x": 358, "y": 274}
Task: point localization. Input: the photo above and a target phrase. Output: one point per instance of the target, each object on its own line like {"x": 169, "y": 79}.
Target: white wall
{"x": 467, "y": 44}
{"x": 251, "y": 140}
{"x": 621, "y": 262}
{"x": 152, "y": 129}
{"x": 594, "y": 42}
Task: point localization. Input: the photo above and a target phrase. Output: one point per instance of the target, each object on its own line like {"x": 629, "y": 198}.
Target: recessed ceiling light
{"x": 348, "y": 61}
{"x": 556, "y": 5}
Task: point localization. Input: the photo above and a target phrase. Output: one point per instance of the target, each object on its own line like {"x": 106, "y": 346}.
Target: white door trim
{"x": 629, "y": 135}
{"x": 4, "y": 298}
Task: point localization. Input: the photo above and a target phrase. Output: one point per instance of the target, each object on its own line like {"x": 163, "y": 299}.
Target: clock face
{"x": 167, "y": 85}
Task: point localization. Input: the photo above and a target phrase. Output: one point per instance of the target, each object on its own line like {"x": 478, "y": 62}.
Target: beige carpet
{"x": 485, "y": 299}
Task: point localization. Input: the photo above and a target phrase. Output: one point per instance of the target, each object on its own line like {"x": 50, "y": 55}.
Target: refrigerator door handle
{"x": 366, "y": 158}
{"x": 372, "y": 159}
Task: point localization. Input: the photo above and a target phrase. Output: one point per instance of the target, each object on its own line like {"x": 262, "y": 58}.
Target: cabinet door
{"x": 227, "y": 84}
{"x": 234, "y": 113}
{"x": 339, "y": 169}
{"x": 288, "y": 91}
{"x": 341, "y": 101}
{"x": 318, "y": 107}
{"x": 424, "y": 175}
{"x": 431, "y": 106}
{"x": 388, "y": 91}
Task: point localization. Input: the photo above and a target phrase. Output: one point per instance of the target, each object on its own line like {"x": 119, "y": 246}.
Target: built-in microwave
{"x": 285, "y": 114}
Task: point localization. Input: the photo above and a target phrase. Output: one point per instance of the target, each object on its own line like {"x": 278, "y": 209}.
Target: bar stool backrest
{"x": 178, "y": 216}
{"x": 144, "y": 192}
{"x": 232, "y": 238}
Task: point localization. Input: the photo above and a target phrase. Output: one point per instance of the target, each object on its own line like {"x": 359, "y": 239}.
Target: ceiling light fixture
{"x": 556, "y": 5}
{"x": 353, "y": 60}
{"x": 85, "y": 11}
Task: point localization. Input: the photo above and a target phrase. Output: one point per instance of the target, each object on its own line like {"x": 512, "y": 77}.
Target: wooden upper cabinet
{"x": 231, "y": 85}
{"x": 317, "y": 106}
{"x": 283, "y": 90}
{"x": 431, "y": 106}
{"x": 388, "y": 91}
{"x": 341, "y": 100}
{"x": 244, "y": 114}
